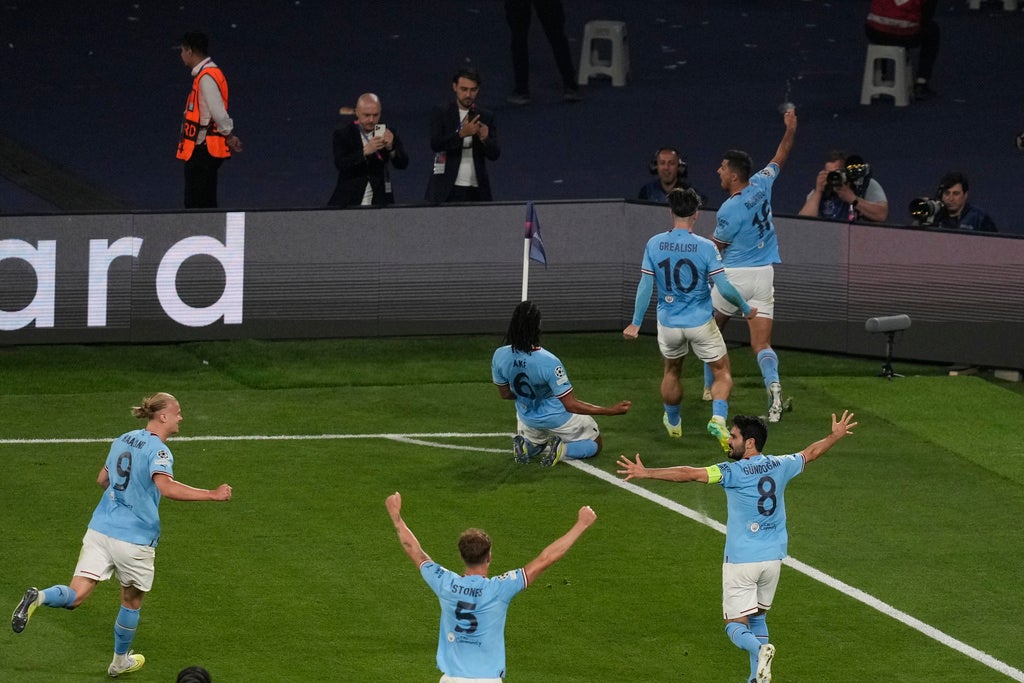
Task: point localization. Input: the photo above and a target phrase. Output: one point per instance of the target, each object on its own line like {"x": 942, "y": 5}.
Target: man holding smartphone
{"x": 364, "y": 151}
{"x": 463, "y": 138}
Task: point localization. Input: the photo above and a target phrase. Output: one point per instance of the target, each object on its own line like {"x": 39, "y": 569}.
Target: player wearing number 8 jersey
{"x": 125, "y": 527}
{"x": 684, "y": 264}
{"x": 756, "y": 539}
{"x": 552, "y": 422}
{"x": 471, "y": 640}
{"x": 746, "y": 236}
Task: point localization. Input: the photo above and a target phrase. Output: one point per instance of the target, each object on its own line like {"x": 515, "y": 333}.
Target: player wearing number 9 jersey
{"x": 755, "y": 532}
{"x": 125, "y": 527}
{"x": 552, "y": 422}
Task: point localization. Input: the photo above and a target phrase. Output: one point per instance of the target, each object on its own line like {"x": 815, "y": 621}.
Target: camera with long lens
{"x": 924, "y": 210}
{"x": 851, "y": 175}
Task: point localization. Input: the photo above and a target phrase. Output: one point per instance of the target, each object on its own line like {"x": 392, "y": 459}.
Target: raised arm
{"x": 406, "y": 537}
{"x": 786, "y": 145}
{"x": 557, "y": 550}
{"x": 840, "y": 428}
{"x": 682, "y": 473}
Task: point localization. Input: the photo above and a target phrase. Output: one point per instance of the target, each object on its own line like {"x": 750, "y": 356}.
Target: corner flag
{"x": 533, "y": 246}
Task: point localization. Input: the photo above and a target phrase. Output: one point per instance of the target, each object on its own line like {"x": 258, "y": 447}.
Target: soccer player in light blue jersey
{"x": 756, "y": 539}
{"x": 471, "y": 639}
{"x": 552, "y": 422}
{"x": 684, "y": 265}
{"x": 125, "y": 527}
{"x": 746, "y": 236}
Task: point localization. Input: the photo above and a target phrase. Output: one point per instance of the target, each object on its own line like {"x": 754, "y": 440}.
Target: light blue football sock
{"x": 59, "y": 596}
{"x": 709, "y": 377}
{"x": 673, "y": 414}
{"x": 741, "y": 636}
{"x": 124, "y": 629}
{"x": 720, "y": 408}
{"x": 759, "y": 627}
{"x": 577, "y": 450}
{"x": 769, "y": 364}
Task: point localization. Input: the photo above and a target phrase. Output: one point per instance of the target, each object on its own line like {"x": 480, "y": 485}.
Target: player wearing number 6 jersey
{"x": 125, "y": 527}
{"x": 756, "y": 539}
{"x": 746, "y": 236}
{"x": 552, "y": 422}
{"x": 471, "y": 640}
{"x": 684, "y": 264}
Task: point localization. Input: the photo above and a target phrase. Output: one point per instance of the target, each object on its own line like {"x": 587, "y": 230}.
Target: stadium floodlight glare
{"x": 890, "y": 325}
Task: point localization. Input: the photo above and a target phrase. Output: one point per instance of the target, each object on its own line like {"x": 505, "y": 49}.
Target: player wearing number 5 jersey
{"x": 125, "y": 527}
{"x": 684, "y": 265}
{"x": 552, "y": 422}
{"x": 471, "y": 640}
{"x": 756, "y": 538}
{"x": 746, "y": 236}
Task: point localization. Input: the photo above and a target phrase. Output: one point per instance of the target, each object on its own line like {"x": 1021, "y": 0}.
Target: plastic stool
{"x": 590, "y": 62}
{"x": 1008, "y": 5}
{"x": 899, "y": 86}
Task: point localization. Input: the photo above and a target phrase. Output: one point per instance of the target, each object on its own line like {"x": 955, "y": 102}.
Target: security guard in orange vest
{"x": 206, "y": 129}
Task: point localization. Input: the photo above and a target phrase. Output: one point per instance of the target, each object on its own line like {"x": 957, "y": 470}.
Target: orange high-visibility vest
{"x": 215, "y": 143}
{"x": 895, "y": 17}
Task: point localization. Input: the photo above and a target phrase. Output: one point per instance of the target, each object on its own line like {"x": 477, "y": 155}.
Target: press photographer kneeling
{"x": 949, "y": 208}
{"x": 845, "y": 191}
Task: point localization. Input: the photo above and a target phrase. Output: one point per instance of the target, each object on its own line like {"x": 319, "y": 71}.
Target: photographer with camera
{"x": 668, "y": 165}
{"x": 845, "y": 191}
{"x": 950, "y": 210}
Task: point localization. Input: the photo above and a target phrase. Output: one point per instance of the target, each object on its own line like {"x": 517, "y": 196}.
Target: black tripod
{"x": 887, "y": 370}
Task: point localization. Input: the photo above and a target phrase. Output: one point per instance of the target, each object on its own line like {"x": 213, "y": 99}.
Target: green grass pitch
{"x": 301, "y": 578}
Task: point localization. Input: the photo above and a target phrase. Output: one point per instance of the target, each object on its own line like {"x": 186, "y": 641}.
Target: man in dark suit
{"x": 362, "y": 155}
{"x": 462, "y": 138}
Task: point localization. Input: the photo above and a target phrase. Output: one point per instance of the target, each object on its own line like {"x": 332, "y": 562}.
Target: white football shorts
{"x": 756, "y": 285}
{"x": 102, "y": 555}
{"x": 706, "y": 340}
{"x": 576, "y": 428}
{"x": 748, "y": 587}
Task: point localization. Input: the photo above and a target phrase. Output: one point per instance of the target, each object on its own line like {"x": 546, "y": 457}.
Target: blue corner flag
{"x": 533, "y": 235}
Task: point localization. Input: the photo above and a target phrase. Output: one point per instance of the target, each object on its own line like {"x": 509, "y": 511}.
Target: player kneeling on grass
{"x": 552, "y": 422}
{"x": 756, "y": 539}
{"x": 125, "y": 527}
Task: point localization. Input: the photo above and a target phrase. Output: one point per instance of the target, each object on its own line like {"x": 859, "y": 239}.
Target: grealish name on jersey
{"x": 673, "y": 246}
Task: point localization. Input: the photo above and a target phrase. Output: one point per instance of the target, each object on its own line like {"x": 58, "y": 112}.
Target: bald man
{"x": 364, "y": 152}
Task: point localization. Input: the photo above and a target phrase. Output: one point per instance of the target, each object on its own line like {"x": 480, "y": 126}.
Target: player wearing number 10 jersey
{"x": 552, "y": 422}
{"x": 125, "y": 527}
{"x": 756, "y": 539}
{"x": 746, "y": 236}
{"x": 684, "y": 265}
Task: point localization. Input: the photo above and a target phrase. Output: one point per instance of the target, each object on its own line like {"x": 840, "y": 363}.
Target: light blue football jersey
{"x": 129, "y": 509}
{"x": 682, "y": 264}
{"x": 471, "y": 641}
{"x": 754, "y": 491}
{"x": 538, "y": 380}
{"x": 745, "y": 223}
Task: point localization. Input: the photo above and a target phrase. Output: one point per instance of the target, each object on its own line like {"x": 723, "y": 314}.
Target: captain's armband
{"x": 714, "y": 474}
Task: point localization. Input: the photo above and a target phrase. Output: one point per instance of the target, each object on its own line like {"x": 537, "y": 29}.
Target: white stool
{"x": 899, "y": 87}
{"x": 1008, "y": 5}
{"x": 590, "y": 62}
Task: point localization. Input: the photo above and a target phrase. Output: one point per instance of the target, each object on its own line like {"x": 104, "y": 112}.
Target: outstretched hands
{"x": 844, "y": 425}
{"x": 629, "y": 468}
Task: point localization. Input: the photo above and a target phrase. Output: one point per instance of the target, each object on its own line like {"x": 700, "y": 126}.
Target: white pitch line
{"x": 805, "y": 569}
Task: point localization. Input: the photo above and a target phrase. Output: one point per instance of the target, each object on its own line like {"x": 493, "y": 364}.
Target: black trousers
{"x": 201, "y": 179}
{"x": 552, "y": 19}
{"x": 927, "y": 39}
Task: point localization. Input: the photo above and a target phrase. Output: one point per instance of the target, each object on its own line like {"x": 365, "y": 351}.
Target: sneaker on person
{"x": 125, "y": 664}
{"x": 518, "y": 98}
{"x": 764, "y": 663}
{"x": 28, "y": 604}
{"x": 923, "y": 92}
{"x": 675, "y": 431}
{"x": 775, "y": 402}
{"x": 553, "y": 453}
{"x": 717, "y": 429}
{"x": 706, "y": 396}
{"x": 520, "y": 450}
